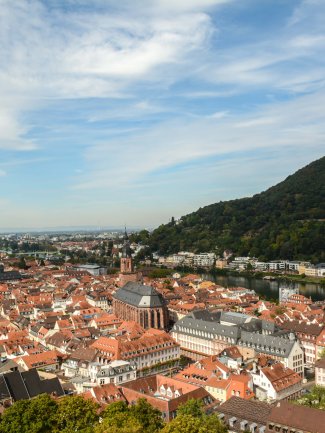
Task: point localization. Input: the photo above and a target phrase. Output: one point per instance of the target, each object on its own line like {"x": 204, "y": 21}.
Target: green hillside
{"x": 286, "y": 221}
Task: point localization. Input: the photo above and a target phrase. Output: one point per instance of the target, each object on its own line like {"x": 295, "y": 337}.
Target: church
{"x": 142, "y": 304}
{"x": 136, "y": 301}
{"x": 127, "y": 272}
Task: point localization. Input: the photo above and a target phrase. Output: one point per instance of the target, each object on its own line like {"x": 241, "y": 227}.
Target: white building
{"x": 320, "y": 372}
{"x": 276, "y": 382}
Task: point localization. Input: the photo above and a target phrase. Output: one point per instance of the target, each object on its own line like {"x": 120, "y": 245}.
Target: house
{"x": 276, "y": 382}
{"x": 203, "y": 333}
{"x": 241, "y": 415}
{"x": 104, "y": 394}
{"x": 286, "y": 418}
{"x": 49, "y": 360}
{"x": 320, "y": 372}
{"x": 145, "y": 352}
{"x": 307, "y": 333}
{"x": 16, "y": 385}
{"x": 165, "y": 394}
{"x": 79, "y": 361}
{"x": 116, "y": 372}
{"x": 231, "y": 357}
{"x": 278, "y": 347}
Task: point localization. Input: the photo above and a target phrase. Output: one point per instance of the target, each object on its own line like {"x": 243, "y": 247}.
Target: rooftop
{"x": 139, "y": 295}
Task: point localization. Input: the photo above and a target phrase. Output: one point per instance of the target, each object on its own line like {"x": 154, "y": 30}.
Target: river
{"x": 267, "y": 289}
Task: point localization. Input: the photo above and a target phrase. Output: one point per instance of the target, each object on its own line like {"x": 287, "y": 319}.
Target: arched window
{"x": 145, "y": 321}
{"x": 158, "y": 320}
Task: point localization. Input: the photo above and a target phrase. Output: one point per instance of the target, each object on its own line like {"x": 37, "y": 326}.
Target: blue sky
{"x": 139, "y": 110}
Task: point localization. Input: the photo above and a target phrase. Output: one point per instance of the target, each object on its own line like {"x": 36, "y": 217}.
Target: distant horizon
{"x": 67, "y": 229}
{"x": 118, "y": 227}
{"x": 136, "y": 111}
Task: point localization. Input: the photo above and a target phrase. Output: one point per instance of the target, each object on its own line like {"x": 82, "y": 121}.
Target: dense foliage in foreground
{"x": 75, "y": 414}
{"x": 286, "y": 221}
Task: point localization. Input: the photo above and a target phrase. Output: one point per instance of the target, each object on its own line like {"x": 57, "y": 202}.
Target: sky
{"x": 134, "y": 111}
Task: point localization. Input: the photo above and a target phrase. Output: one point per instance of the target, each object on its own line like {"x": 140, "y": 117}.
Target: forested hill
{"x": 286, "y": 221}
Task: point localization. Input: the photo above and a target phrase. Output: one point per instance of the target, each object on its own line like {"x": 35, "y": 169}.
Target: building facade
{"x": 142, "y": 304}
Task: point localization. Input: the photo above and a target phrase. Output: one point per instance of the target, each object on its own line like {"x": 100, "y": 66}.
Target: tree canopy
{"x": 76, "y": 414}
{"x": 285, "y": 221}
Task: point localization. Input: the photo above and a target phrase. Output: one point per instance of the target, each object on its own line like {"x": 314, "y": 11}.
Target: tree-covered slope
{"x": 286, "y": 221}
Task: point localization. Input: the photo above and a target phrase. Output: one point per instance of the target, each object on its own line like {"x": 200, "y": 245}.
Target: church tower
{"x": 126, "y": 259}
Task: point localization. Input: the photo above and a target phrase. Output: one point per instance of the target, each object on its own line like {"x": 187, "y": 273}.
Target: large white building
{"x": 202, "y": 333}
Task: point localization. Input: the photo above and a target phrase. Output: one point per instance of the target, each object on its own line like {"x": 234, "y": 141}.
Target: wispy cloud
{"x": 299, "y": 123}
{"x": 115, "y": 96}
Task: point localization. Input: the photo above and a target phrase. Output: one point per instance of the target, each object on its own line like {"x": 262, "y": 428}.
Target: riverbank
{"x": 272, "y": 276}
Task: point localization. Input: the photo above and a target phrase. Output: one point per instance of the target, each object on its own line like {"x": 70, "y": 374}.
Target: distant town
{"x": 105, "y": 247}
{"x": 83, "y": 316}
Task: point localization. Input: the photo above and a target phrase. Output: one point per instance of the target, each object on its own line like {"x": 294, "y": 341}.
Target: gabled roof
{"x": 139, "y": 295}
{"x": 250, "y": 410}
{"x": 25, "y": 385}
{"x": 299, "y": 417}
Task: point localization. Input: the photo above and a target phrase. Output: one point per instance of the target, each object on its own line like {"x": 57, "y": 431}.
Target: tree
{"x": 212, "y": 424}
{"x": 183, "y": 424}
{"x": 148, "y": 416}
{"x": 114, "y": 408}
{"x": 30, "y": 416}
{"x": 22, "y": 263}
{"x": 13, "y": 420}
{"x": 76, "y": 414}
{"x": 119, "y": 422}
{"x": 191, "y": 418}
{"x": 322, "y": 354}
{"x": 186, "y": 423}
{"x": 315, "y": 398}
{"x": 192, "y": 407}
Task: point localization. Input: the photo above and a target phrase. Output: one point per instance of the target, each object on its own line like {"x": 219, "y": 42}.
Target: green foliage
{"x": 148, "y": 416}
{"x": 30, "y": 416}
{"x": 141, "y": 237}
{"x": 191, "y": 424}
{"x": 22, "y": 263}
{"x": 184, "y": 361}
{"x": 316, "y": 398}
{"x": 322, "y": 354}
{"x": 120, "y": 422}
{"x": 76, "y": 414}
{"x": 192, "y": 407}
{"x": 285, "y": 221}
{"x": 114, "y": 408}
{"x": 191, "y": 418}
{"x": 160, "y": 273}
{"x": 141, "y": 417}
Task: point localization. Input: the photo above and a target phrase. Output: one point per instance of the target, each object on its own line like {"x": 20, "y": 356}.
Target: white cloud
{"x": 124, "y": 162}
{"x": 83, "y": 53}
{"x": 12, "y": 131}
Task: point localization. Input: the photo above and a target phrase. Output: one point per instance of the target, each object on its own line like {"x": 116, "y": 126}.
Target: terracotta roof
{"x": 250, "y": 410}
{"x": 299, "y": 417}
{"x": 281, "y": 377}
